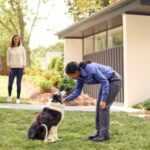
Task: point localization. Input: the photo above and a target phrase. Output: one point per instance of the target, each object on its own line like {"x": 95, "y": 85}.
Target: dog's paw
{"x": 51, "y": 141}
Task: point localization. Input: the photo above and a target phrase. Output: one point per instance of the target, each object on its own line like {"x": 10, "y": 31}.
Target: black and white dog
{"x": 46, "y": 124}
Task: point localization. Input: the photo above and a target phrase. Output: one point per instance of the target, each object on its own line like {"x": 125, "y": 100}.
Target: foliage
{"x": 57, "y": 65}
{"x": 17, "y": 18}
{"x": 67, "y": 84}
{"x": 45, "y": 85}
{"x": 145, "y": 105}
{"x": 59, "y": 46}
{"x": 33, "y": 71}
{"x": 39, "y": 53}
{"x": 44, "y": 79}
{"x": 81, "y": 9}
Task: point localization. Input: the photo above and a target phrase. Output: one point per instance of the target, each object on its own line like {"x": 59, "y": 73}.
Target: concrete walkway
{"x": 114, "y": 108}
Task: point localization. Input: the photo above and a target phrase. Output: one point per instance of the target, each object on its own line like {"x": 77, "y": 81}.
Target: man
{"x": 110, "y": 80}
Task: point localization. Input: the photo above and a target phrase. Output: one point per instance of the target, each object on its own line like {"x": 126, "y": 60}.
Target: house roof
{"x": 108, "y": 17}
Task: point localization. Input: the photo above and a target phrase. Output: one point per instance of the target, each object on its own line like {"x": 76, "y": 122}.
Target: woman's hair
{"x": 73, "y": 66}
{"x": 12, "y": 41}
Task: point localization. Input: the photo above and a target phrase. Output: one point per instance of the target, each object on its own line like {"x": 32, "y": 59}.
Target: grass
{"x": 128, "y": 133}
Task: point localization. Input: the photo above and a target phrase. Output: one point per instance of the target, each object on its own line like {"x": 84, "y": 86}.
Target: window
{"x": 89, "y": 45}
{"x": 100, "y": 41}
{"x": 115, "y": 37}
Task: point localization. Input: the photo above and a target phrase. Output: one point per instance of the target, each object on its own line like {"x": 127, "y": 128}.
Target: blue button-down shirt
{"x": 93, "y": 73}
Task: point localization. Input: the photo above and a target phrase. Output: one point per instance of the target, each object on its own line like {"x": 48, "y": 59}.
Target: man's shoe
{"x": 93, "y": 136}
{"x": 100, "y": 138}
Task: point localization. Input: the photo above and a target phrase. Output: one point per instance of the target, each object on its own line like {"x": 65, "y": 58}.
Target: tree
{"x": 59, "y": 46}
{"x": 14, "y": 19}
{"x": 81, "y": 9}
{"x": 39, "y": 53}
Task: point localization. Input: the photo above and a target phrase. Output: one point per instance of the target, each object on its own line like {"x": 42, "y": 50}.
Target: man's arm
{"x": 76, "y": 92}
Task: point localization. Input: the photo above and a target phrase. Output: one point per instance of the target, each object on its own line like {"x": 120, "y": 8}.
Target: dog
{"x": 47, "y": 122}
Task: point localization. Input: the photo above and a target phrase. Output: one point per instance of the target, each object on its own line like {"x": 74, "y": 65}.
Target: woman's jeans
{"x": 18, "y": 73}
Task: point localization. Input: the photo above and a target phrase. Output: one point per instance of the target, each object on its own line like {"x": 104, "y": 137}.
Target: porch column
{"x": 136, "y": 58}
{"x": 73, "y": 50}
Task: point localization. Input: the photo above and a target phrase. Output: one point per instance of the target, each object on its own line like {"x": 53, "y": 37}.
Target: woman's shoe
{"x": 18, "y": 101}
{"x": 9, "y": 99}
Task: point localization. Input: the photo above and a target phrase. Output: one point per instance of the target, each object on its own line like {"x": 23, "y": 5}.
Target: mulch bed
{"x": 42, "y": 98}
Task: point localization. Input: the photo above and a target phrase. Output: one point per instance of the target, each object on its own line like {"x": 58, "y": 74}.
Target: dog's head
{"x": 57, "y": 97}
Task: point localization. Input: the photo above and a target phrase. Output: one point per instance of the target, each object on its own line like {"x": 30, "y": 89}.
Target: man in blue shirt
{"x": 110, "y": 81}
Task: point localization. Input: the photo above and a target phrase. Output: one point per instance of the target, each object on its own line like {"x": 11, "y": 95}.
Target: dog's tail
{"x": 46, "y": 129}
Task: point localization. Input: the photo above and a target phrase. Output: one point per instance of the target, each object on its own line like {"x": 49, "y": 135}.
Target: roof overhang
{"x": 108, "y": 17}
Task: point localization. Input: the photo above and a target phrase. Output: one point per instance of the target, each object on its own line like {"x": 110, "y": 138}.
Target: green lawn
{"x": 128, "y": 133}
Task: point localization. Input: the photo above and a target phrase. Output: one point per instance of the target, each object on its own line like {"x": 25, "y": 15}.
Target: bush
{"x": 67, "y": 84}
{"x": 45, "y": 79}
{"x": 57, "y": 65}
{"x": 145, "y": 105}
{"x": 45, "y": 85}
{"x": 33, "y": 71}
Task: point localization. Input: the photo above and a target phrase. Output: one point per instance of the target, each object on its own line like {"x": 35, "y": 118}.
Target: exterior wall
{"x": 73, "y": 50}
{"x": 136, "y": 58}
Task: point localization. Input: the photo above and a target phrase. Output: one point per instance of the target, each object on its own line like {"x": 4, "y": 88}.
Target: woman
{"x": 110, "y": 80}
{"x": 16, "y": 62}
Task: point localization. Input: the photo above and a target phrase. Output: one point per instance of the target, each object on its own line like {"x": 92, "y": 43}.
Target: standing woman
{"x": 110, "y": 81}
{"x": 16, "y": 62}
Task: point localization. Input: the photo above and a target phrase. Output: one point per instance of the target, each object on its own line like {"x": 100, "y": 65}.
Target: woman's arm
{"x": 8, "y": 57}
{"x": 76, "y": 92}
{"x": 24, "y": 57}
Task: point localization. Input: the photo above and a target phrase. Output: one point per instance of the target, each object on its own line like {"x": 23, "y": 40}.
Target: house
{"x": 118, "y": 35}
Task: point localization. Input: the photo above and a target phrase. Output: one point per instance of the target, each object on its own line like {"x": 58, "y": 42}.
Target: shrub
{"x": 67, "y": 84}
{"x": 33, "y": 71}
{"x": 145, "y": 105}
{"x": 45, "y": 85}
{"x": 57, "y": 64}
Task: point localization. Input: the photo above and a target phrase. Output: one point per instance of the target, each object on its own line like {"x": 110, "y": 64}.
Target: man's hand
{"x": 64, "y": 101}
{"x": 103, "y": 104}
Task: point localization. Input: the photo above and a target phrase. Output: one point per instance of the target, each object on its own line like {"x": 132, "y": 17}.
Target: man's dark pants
{"x": 102, "y": 115}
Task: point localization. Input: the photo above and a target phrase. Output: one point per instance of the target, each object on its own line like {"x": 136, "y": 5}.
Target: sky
{"x": 54, "y": 18}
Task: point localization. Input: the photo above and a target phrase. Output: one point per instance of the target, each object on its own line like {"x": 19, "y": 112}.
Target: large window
{"x": 108, "y": 39}
{"x": 115, "y": 37}
{"x": 88, "y": 45}
{"x": 100, "y": 41}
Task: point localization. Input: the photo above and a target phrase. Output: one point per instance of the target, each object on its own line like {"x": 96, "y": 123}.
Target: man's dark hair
{"x": 73, "y": 66}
